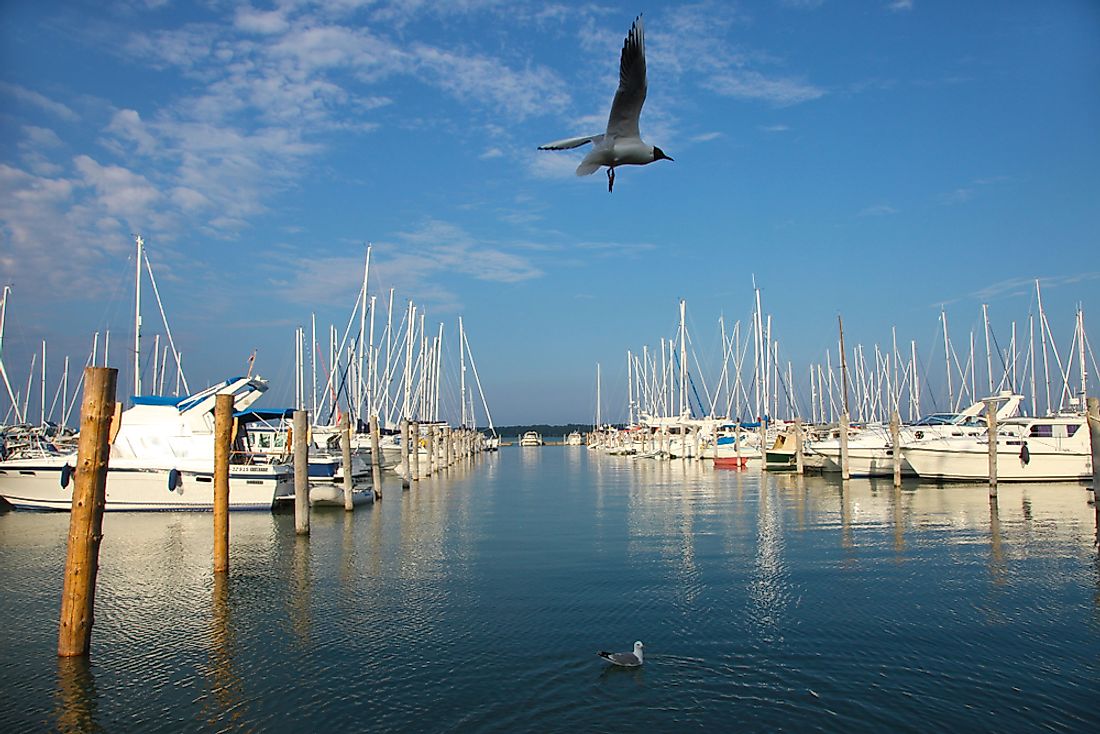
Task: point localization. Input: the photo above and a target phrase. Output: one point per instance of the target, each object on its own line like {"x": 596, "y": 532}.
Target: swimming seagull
{"x": 621, "y": 144}
{"x": 625, "y": 659}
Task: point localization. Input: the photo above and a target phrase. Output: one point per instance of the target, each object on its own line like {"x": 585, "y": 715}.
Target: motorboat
{"x": 871, "y": 450}
{"x": 161, "y": 458}
{"x": 1054, "y": 448}
{"x": 531, "y": 438}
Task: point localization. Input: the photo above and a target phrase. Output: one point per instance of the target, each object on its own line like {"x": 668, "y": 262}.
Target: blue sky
{"x": 875, "y": 159}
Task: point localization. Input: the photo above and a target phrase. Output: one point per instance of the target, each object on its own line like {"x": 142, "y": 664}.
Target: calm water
{"x": 477, "y": 601}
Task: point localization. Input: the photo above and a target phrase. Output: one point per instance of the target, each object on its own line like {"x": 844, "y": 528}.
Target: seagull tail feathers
{"x": 587, "y": 169}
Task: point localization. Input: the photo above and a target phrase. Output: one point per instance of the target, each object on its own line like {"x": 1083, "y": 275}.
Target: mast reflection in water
{"x": 475, "y": 602}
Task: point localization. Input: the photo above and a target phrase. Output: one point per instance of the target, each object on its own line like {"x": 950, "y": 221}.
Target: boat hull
{"x": 37, "y": 485}
{"x": 938, "y": 463}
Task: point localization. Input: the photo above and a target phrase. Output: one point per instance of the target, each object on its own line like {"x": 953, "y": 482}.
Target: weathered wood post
{"x": 375, "y": 458}
{"x": 1094, "y": 436}
{"x": 845, "y": 474}
{"x": 799, "y": 464}
{"x": 449, "y": 448}
{"x": 991, "y": 420}
{"x": 414, "y": 448}
{"x": 406, "y": 468}
{"x": 763, "y": 433}
{"x": 431, "y": 449}
{"x": 223, "y": 444}
{"x": 301, "y": 472}
{"x": 74, "y": 635}
{"x": 895, "y": 441}
{"x": 736, "y": 446}
{"x": 345, "y": 456}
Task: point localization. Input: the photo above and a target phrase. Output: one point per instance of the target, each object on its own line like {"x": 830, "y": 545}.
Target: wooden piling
{"x": 845, "y": 472}
{"x": 895, "y": 441}
{"x": 223, "y": 445}
{"x": 345, "y": 455}
{"x": 301, "y": 472}
{"x": 1094, "y": 435}
{"x": 431, "y": 449}
{"x": 991, "y": 421}
{"x": 414, "y": 448}
{"x": 375, "y": 458}
{"x": 762, "y": 430}
{"x": 74, "y": 635}
{"x": 405, "y": 467}
{"x": 799, "y": 464}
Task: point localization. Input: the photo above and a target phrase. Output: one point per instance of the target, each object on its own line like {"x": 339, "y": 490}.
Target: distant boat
{"x": 162, "y": 458}
{"x": 531, "y": 438}
{"x": 574, "y": 439}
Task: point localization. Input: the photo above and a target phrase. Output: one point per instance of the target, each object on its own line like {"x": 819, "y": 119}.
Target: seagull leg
{"x": 610, "y": 179}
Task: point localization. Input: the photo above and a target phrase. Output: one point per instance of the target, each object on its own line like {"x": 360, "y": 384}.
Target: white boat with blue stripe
{"x": 162, "y": 458}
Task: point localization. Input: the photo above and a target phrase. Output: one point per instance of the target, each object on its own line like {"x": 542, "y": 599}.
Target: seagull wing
{"x": 571, "y": 142}
{"x": 630, "y": 96}
{"x": 626, "y": 659}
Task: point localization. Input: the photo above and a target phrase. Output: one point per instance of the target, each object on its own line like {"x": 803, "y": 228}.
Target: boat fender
{"x": 66, "y": 476}
{"x": 173, "y": 480}
{"x": 1025, "y": 455}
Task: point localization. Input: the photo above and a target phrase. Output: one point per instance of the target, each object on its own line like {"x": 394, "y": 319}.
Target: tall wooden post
{"x": 991, "y": 420}
{"x": 74, "y": 635}
{"x": 799, "y": 465}
{"x": 763, "y": 433}
{"x": 345, "y": 455}
{"x": 223, "y": 444}
{"x": 895, "y": 441}
{"x": 431, "y": 449}
{"x": 406, "y": 469}
{"x": 375, "y": 458}
{"x": 1094, "y": 436}
{"x": 845, "y": 472}
{"x": 301, "y": 472}
{"x": 414, "y": 448}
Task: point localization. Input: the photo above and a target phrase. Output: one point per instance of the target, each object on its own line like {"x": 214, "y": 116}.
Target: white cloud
{"x": 780, "y": 91}
{"x": 877, "y": 210}
{"x": 41, "y": 101}
{"x": 899, "y": 6}
{"x": 120, "y": 191}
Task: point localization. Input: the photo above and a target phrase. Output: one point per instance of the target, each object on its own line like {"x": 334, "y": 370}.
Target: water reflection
{"x": 224, "y": 681}
{"x": 76, "y": 708}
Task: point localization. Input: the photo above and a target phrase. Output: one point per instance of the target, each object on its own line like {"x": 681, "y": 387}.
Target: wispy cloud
{"x": 29, "y": 96}
{"x": 900, "y": 6}
{"x": 877, "y": 210}
{"x": 746, "y": 84}
{"x": 963, "y": 194}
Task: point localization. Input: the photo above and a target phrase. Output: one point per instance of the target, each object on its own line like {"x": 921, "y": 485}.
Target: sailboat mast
{"x": 947, "y": 359}
{"x": 462, "y": 371}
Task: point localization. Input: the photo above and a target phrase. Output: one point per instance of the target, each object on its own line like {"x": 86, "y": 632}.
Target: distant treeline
{"x": 548, "y": 432}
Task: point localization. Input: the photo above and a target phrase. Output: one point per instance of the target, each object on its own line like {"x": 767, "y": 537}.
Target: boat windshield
{"x": 938, "y": 419}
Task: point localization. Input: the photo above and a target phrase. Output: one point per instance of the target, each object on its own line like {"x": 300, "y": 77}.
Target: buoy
{"x": 66, "y": 475}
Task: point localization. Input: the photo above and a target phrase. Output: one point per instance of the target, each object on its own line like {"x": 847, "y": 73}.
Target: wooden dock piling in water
{"x": 845, "y": 473}
{"x": 799, "y": 463}
{"x": 991, "y": 420}
{"x": 375, "y": 458}
{"x": 406, "y": 468}
{"x": 223, "y": 445}
{"x": 345, "y": 457}
{"x": 1093, "y": 413}
{"x": 895, "y": 441}
{"x": 74, "y": 635}
{"x": 414, "y": 450}
{"x": 301, "y": 472}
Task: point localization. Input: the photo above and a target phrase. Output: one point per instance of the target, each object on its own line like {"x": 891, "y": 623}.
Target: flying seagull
{"x": 621, "y": 144}
{"x": 624, "y": 659}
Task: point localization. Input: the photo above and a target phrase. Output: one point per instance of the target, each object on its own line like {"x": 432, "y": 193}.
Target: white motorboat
{"x": 531, "y": 438}
{"x": 1055, "y": 448}
{"x": 574, "y": 439}
{"x": 162, "y": 458}
{"x": 871, "y": 450}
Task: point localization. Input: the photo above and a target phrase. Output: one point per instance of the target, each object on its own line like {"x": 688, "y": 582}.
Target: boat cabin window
{"x": 1042, "y": 430}
{"x": 1071, "y": 430}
